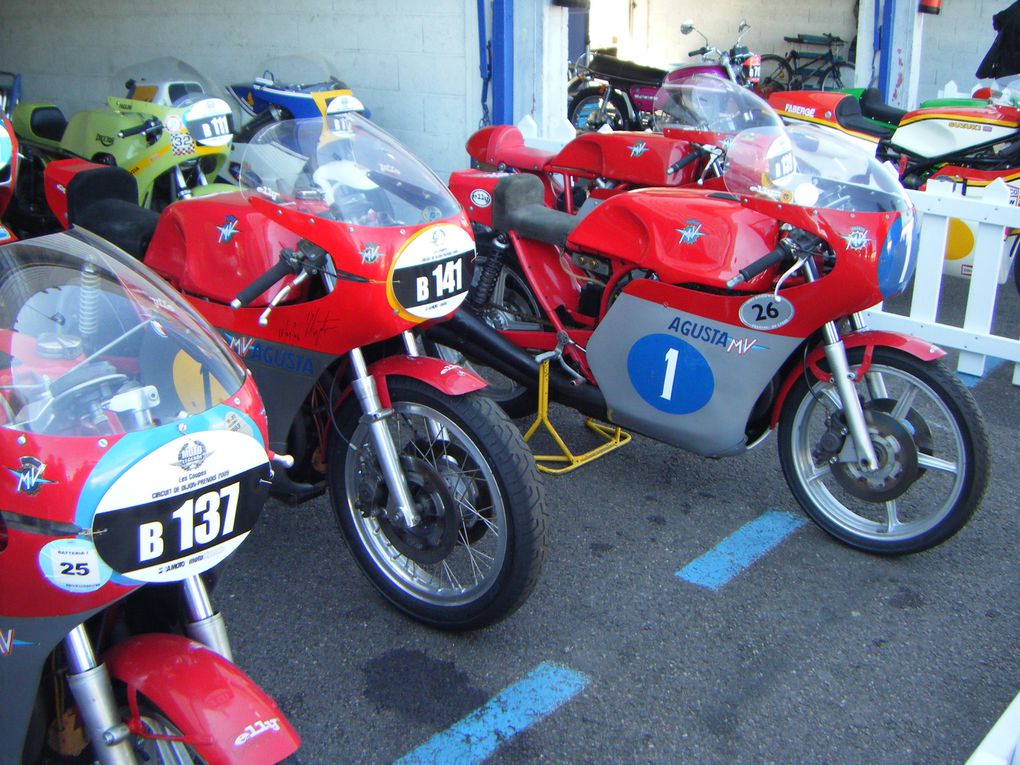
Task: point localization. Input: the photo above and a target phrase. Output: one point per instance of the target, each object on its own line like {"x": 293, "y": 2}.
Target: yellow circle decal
{"x": 197, "y": 389}
{"x": 959, "y": 240}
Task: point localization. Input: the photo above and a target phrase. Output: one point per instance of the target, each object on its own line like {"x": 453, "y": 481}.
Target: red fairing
{"x": 498, "y": 144}
{"x": 640, "y": 159}
{"x": 189, "y": 250}
{"x": 474, "y": 189}
{"x": 808, "y": 105}
{"x": 222, "y": 713}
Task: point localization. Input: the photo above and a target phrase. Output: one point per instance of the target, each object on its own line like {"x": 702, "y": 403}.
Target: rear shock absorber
{"x": 495, "y": 254}
{"x": 88, "y": 303}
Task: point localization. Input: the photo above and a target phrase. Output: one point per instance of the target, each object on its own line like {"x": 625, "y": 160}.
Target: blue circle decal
{"x": 670, "y": 374}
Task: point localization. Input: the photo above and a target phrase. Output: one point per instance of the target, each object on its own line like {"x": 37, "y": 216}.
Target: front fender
{"x": 451, "y": 379}
{"x": 224, "y": 715}
{"x": 915, "y": 346}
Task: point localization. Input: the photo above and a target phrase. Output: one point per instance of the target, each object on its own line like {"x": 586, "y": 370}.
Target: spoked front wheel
{"x": 931, "y": 444}
{"x": 477, "y": 553}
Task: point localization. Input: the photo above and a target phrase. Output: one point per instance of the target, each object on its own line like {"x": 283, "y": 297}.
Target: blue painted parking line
{"x": 509, "y": 712}
{"x": 739, "y": 550}
{"x": 991, "y": 364}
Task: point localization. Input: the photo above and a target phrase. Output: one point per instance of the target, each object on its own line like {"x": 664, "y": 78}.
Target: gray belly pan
{"x": 680, "y": 378}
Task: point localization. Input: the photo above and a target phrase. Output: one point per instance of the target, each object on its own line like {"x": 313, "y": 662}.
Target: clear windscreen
{"x": 343, "y": 168}
{"x": 709, "y": 104}
{"x": 804, "y": 166}
{"x": 92, "y": 343}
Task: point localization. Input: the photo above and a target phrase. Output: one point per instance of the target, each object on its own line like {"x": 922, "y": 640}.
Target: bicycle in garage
{"x": 805, "y": 69}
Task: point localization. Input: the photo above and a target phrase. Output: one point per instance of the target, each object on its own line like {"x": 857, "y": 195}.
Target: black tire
{"x": 512, "y": 299}
{"x": 582, "y": 111}
{"x": 838, "y": 77}
{"x": 462, "y": 455}
{"x": 935, "y": 456}
{"x": 776, "y": 76}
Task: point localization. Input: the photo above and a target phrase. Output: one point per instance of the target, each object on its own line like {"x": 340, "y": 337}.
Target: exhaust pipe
{"x": 474, "y": 338}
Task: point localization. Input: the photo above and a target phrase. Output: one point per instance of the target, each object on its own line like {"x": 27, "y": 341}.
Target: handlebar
{"x": 699, "y": 51}
{"x": 148, "y": 127}
{"x": 282, "y": 268}
{"x": 752, "y": 270}
{"x": 685, "y": 160}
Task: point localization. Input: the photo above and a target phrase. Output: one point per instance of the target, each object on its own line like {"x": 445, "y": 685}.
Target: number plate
{"x": 208, "y": 122}
{"x": 431, "y": 273}
{"x": 753, "y": 66}
{"x": 183, "y": 508}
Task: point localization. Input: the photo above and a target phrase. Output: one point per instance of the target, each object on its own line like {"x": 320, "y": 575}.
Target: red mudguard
{"x": 449, "y": 378}
{"x": 224, "y": 716}
{"x": 922, "y": 349}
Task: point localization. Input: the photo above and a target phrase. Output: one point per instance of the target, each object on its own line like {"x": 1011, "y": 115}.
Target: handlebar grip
{"x": 146, "y": 127}
{"x": 684, "y": 161}
{"x": 697, "y": 52}
{"x": 264, "y": 282}
{"x": 752, "y": 270}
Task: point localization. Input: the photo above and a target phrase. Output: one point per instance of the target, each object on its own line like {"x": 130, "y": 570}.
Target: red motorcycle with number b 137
{"x": 707, "y": 315}
{"x": 133, "y": 460}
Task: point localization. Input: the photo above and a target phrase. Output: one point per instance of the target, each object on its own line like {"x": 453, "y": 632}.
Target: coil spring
{"x": 482, "y": 294}
{"x": 88, "y": 302}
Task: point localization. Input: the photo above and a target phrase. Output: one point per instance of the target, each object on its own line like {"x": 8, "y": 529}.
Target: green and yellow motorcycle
{"x": 168, "y": 132}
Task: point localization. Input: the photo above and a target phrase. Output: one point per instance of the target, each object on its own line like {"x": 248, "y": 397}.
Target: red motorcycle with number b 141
{"x": 338, "y": 244}
{"x": 706, "y": 316}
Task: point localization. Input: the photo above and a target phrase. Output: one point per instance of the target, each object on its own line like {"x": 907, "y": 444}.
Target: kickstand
{"x": 614, "y": 436}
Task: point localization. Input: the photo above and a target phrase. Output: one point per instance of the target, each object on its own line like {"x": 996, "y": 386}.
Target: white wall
{"x": 414, "y": 63}
{"x": 954, "y": 42}
{"x": 654, "y": 34}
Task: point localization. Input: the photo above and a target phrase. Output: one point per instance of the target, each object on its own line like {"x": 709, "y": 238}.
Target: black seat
{"x": 105, "y": 201}
{"x": 48, "y": 122}
{"x": 612, "y": 68}
{"x": 874, "y": 107}
{"x": 518, "y": 203}
{"x": 848, "y": 114}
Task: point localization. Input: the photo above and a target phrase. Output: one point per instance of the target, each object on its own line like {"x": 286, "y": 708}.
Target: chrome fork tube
{"x": 385, "y": 450}
{"x": 853, "y": 411}
{"x": 205, "y": 625}
{"x": 874, "y": 380}
{"x": 90, "y": 685}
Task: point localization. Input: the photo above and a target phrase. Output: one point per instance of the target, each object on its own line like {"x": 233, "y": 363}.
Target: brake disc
{"x": 897, "y": 461}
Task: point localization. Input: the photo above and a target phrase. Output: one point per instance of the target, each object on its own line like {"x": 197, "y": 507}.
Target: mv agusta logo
{"x": 690, "y": 232}
{"x": 191, "y": 456}
{"x": 858, "y": 238}
{"x": 228, "y": 230}
{"x": 638, "y": 149}
{"x": 370, "y": 253}
{"x": 29, "y": 476}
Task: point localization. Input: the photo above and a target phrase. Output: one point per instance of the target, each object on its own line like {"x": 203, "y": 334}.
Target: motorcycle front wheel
{"x": 478, "y": 551}
{"x": 583, "y": 110}
{"x": 930, "y": 440}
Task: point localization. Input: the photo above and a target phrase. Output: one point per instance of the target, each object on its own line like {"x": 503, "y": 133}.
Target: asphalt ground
{"x": 814, "y": 653}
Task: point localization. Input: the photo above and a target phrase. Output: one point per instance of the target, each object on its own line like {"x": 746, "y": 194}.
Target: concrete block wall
{"x": 954, "y": 43}
{"x": 413, "y": 63}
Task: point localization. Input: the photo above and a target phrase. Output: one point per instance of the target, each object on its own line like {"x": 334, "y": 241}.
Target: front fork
{"x": 385, "y": 450}
{"x": 845, "y": 382}
{"x": 90, "y": 684}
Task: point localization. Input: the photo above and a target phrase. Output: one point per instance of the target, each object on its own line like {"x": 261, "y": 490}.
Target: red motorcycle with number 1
{"x": 707, "y": 315}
